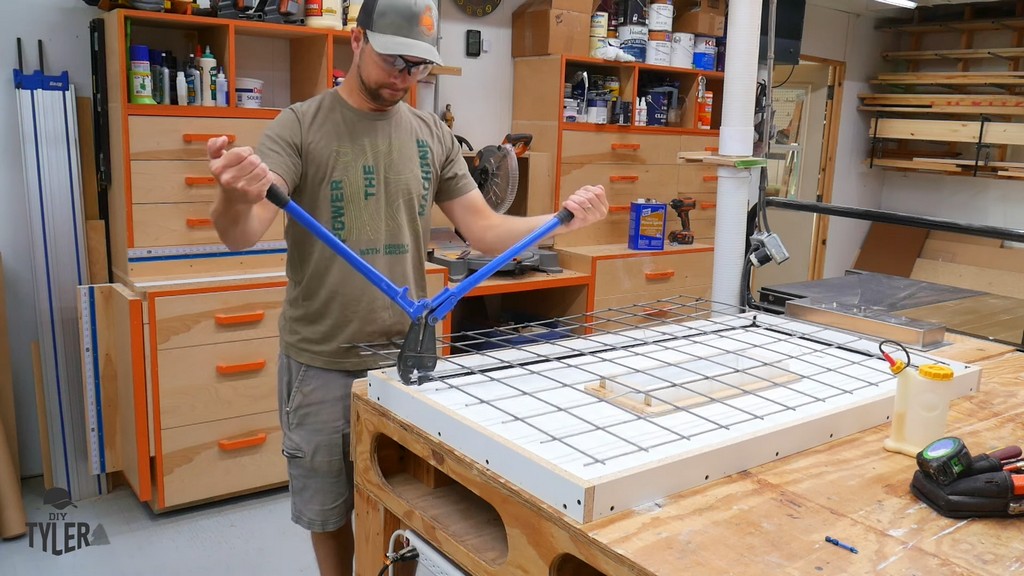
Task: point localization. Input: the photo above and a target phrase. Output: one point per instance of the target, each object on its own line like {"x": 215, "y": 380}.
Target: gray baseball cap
{"x": 401, "y": 27}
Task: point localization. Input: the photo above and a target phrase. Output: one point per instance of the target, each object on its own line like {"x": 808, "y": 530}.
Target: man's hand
{"x": 588, "y": 205}
{"x": 242, "y": 176}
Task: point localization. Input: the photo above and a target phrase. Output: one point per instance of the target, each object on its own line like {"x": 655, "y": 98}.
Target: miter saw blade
{"x": 496, "y": 173}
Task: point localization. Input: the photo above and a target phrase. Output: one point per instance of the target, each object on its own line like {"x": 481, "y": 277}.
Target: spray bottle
{"x": 141, "y": 84}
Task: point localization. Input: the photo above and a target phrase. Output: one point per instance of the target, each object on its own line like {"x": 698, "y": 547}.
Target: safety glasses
{"x": 416, "y": 69}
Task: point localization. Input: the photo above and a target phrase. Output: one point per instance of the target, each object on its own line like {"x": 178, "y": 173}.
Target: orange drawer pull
{"x": 228, "y": 445}
{"x": 241, "y": 368}
{"x": 711, "y": 178}
{"x": 198, "y": 222}
{"x": 623, "y": 178}
{"x": 660, "y": 275}
{"x": 618, "y": 208}
{"x": 200, "y": 180}
{"x": 708, "y": 205}
{"x": 654, "y": 312}
{"x": 711, "y": 148}
{"x": 243, "y": 318}
{"x": 625, "y": 146}
{"x": 193, "y": 138}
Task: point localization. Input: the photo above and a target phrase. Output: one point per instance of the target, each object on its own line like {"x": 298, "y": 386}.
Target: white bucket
{"x": 682, "y": 50}
{"x": 659, "y": 48}
{"x": 248, "y": 93}
{"x": 659, "y": 16}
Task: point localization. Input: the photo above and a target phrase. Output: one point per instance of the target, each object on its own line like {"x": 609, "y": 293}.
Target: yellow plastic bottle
{"x": 921, "y": 407}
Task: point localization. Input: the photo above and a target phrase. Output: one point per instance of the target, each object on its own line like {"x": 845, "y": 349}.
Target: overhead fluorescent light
{"x": 901, "y": 3}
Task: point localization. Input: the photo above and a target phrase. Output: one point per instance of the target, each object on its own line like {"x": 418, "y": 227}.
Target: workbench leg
{"x": 374, "y": 525}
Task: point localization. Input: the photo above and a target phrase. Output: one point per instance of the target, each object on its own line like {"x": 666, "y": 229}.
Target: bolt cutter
{"x": 417, "y": 356}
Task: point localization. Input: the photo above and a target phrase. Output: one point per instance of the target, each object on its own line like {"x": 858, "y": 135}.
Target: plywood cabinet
{"x": 630, "y": 162}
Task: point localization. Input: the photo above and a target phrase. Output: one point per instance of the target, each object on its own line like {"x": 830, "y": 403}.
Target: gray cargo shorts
{"x": 315, "y": 408}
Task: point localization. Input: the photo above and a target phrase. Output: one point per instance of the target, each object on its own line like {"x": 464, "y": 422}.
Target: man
{"x": 368, "y": 166}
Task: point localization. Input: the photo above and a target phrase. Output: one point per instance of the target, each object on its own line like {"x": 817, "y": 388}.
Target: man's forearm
{"x": 239, "y": 225}
{"x": 507, "y": 231}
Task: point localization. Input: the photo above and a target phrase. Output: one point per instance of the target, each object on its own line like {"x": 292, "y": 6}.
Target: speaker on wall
{"x": 789, "y": 30}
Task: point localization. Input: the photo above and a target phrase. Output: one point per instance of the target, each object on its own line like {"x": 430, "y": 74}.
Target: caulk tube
{"x": 736, "y": 138}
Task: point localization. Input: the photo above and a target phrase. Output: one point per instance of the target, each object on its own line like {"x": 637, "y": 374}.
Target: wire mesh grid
{"x": 631, "y": 382}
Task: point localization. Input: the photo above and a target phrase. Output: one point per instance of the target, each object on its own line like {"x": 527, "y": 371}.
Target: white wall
{"x": 63, "y": 26}
{"x": 839, "y": 31}
{"x": 481, "y": 98}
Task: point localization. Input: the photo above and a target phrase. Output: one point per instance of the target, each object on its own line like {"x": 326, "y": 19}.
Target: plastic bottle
{"x": 222, "y": 88}
{"x": 641, "y": 111}
{"x": 921, "y": 407}
{"x": 140, "y": 78}
{"x": 207, "y": 64}
{"x": 172, "y": 77}
{"x": 155, "y": 63}
{"x": 165, "y": 79}
{"x": 324, "y": 14}
{"x": 182, "y": 88}
{"x": 193, "y": 81}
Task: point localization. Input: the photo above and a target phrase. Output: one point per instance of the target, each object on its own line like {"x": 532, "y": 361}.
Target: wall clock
{"x": 478, "y": 8}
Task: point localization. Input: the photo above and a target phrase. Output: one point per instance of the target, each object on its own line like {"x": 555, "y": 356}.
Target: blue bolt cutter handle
{"x": 418, "y": 354}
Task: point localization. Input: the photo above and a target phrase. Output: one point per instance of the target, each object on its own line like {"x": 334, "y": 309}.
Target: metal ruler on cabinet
{"x": 91, "y": 376}
{"x": 160, "y": 253}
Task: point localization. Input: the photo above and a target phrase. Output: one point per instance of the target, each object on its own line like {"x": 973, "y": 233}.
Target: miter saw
{"x": 495, "y": 169}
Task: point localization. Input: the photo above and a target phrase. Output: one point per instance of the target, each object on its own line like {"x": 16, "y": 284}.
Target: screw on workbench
{"x": 832, "y": 540}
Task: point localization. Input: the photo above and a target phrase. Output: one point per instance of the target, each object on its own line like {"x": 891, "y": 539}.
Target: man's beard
{"x": 376, "y": 95}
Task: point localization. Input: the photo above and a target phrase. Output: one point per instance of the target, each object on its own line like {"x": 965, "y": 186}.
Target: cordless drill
{"x": 682, "y": 206}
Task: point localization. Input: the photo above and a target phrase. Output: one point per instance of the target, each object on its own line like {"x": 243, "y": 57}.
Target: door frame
{"x": 827, "y": 162}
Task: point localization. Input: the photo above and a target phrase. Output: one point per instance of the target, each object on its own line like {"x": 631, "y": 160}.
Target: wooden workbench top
{"x": 773, "y": 519}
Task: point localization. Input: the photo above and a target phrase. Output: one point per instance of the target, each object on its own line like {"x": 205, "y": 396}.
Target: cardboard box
{"x": 703, "y": 17}
{"x": 541, "y": 27}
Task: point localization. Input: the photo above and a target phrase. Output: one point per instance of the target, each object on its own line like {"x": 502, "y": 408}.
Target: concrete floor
{"x": 248, "y": 535}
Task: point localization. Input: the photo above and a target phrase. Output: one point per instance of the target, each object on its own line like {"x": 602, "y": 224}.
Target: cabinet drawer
{"x": 166, "y": 138}
{"x": 172, "y": 181}
{"x": 209, "y": 318}
{"x": 623, "y": 183}
{"x": 182, "y": 224}
{"x": 611, "y": 306}
{"x": 222, "y": 458}
{"x": 697, "y": 179}
{"x": 615, "y": 148}
{"x": 204, "y": 383}
{"x": 658, "y": 272}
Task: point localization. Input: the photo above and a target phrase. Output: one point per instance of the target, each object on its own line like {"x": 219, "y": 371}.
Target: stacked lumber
{"x": 971, "y": 262}
{"x": 972, "y": 104}
{"x": 968, "y": 79}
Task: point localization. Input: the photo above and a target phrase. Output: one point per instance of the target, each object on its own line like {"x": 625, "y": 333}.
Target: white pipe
{"x": 736, "y": 138}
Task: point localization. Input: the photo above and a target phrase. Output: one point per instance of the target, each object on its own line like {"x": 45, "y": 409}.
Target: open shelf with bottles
{"x": 670, "y": 95}
{"x": 293, "y": 62}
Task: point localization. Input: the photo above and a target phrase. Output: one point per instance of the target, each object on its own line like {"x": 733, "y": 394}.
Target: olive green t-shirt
{"x": 370, "y": 179}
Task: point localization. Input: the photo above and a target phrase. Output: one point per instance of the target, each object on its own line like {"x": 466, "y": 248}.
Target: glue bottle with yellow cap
{"x": 921, "y": 408}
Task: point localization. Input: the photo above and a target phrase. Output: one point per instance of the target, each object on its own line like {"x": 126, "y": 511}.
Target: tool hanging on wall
{"x": 417, "y": 357}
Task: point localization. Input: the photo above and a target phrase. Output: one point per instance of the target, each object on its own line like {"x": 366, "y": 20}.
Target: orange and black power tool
{"x": 682, "y": 206}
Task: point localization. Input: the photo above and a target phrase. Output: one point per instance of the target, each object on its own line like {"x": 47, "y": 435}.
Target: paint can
{"x": 248, "y": 93}
{"x": 659, "y": 100}
{"x": 647, "y": 224}
{"x": 659, "y": 15}
{"x": 659, "y": 48}
{"x": 704, "y": 52}
{"x": 611, "y": 84}
{"x": 633, "y": 41}
{"x": 599, "y": 25}
{"x": 632, "y": 12}
{"x": 682, "y": 50}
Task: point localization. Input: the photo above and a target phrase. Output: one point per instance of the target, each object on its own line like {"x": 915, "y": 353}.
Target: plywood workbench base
{"x": 770, "y": 519}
